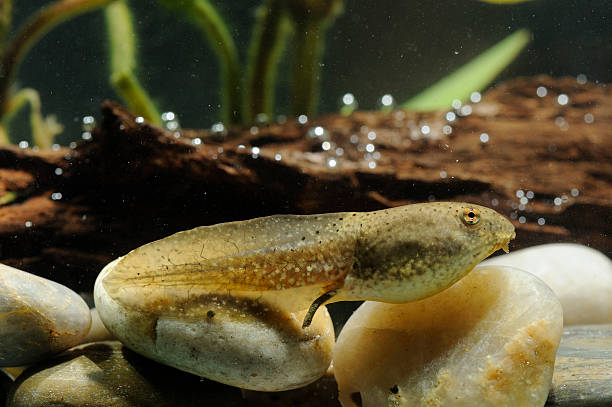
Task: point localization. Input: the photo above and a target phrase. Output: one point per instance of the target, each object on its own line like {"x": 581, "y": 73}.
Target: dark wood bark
{"x": 134, "y": 183}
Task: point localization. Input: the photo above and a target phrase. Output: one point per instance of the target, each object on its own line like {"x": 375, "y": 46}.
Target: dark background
{"x": 387, "y": 46}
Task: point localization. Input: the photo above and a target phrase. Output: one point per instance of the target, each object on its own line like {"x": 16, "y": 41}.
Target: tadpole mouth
{"x": 505, "y": 244}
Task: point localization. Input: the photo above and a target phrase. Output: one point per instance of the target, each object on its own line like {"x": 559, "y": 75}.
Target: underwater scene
{"x": 305, "y": 203}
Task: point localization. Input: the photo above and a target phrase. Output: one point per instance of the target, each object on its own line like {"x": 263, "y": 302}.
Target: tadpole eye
{"x": 471, "y": 216}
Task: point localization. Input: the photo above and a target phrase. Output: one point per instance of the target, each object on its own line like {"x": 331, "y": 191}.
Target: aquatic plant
{"x": 247, "y": 90}
{"x": 13, "y": 51}
{"x": 122, "y": 46}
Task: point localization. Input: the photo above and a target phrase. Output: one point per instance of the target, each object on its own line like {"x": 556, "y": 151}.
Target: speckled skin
{"x": 392, "y": 255}
{"x": 237, "y": 302}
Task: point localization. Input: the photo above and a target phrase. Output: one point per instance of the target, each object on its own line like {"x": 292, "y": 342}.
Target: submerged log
{"x": 544, "y": 163}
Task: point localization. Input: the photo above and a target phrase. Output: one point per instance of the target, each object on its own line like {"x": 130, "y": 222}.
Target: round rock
{"x": 38, "y": 317}
{"x": 230, "y": 340}
{"x": 489, "y": 340}
{"x": 581, "y": 278}
{"x": 106, "y": 374}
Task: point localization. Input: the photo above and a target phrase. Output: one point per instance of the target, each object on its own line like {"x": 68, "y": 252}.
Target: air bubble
{"x": 348, "y": 104}
{"x": 317, "y": 133}
{"x": 56, "y": 196}
{"x": 581, "y": 79}
{"x": 372, "y": 165}
{"x": 196, "y": 141}
{"x": 541, "y": 91}
{"x": 450, "y": 117}
{"x": 58, "y": 171}
{"x": 261, "y": 118}
{"x": 218, "y": 128}
{"x": 484, "y": 138}
{"x": 475, "y": 97}
{"x": 465, "y": 110}
{"x": 167, "y": 116}
{"x": 386, "y": 102}
{"x": 332, "y": 162}
{"x": 302, "y": 119}
{"x": 278, "y": 157}
{"x": 563, "y": 99}
{"x": 456, "y": 104}
{"x": 443, "y": 174}
{"x": 574, "y": 192}
{"x": 541, "y": 221}
{"x": 139, "y": 120}
{"x": 522, "y": 219}
{"x": 370, "y": 148}
{"x": 28, "y": 224}
{"x": 589, "y": 118}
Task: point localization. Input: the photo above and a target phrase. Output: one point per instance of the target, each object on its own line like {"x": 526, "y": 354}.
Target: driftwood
{"x": 134, "y": 182}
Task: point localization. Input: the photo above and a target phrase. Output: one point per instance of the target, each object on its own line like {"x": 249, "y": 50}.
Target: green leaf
{"x": 471, "y": 77}
{"x": 122, "y": 47}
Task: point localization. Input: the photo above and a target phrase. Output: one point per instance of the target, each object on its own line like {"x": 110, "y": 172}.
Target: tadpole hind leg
{"x": 315, "y": 306}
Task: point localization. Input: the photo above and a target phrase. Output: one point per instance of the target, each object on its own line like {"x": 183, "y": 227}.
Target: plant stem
{"x": 308, "y": 47}
{"x": 207, "y": 18}
{"x": 44, "y": 129}
{"x": 266, "y": 48}
{"x": 6, "y": 8}
{"x": 37, "y": 26}
{"x": 122, "y": 47}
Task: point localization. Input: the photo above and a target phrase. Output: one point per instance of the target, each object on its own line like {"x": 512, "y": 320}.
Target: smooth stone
{"x": 106, "y": 374}
{"x": 38, "y": 317}
{"x": 265, "y": 351}
{"x": 488, "y": 340}
{"x": 583, "y": 370}
{"x": 581, "y": 278}
{"x": 97, "y": 331}
{"x": 322, "y": 393}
